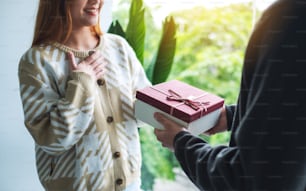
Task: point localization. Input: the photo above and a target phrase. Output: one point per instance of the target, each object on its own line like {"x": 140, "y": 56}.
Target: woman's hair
{"x": 54, "y": 22}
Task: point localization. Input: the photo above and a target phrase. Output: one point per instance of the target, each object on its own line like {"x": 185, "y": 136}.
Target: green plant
{"x": 158, "y": 71}
{"x": 159, "y": 68}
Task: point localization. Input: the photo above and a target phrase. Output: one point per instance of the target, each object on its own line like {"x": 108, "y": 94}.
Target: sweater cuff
{"x": 80, "y": 88}
{"x": 178, "y": 137}
{"x": 84, "y": 79}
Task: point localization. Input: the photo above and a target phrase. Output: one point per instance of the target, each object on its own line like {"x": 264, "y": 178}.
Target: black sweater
{"x": 267, "y": 150}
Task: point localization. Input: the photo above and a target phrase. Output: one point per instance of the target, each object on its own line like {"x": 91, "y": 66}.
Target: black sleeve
{"x": 230, "y": 110}
{"x": 209, "y": 168}
{"x": 270, "y": 152}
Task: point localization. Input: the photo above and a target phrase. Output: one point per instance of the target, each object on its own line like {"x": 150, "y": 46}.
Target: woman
{"x": 77, "y": 87}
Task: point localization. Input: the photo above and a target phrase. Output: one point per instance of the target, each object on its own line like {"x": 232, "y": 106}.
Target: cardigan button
{"x": 109, "y": 119}
{"x": 117, "y": 154}
{"x": 119, "y": 181}
{"x": 100, "y": 82}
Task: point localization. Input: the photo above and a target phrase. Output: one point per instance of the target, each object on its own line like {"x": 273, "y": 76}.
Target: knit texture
{"x": 85, "y": 133}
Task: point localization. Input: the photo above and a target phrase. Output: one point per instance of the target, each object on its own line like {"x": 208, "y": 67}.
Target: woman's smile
{"x": 92, "y": 11}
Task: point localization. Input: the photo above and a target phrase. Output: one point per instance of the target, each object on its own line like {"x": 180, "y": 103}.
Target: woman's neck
{"x": 82, "y": 40}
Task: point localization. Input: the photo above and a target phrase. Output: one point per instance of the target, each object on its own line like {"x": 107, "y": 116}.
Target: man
{"x": 267, "y": 150}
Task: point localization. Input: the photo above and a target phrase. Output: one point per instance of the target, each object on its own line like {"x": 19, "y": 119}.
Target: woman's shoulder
{"x": 36, "y": 55}
{"x": 110, "y": 38}
{"x": 33, "y": 51}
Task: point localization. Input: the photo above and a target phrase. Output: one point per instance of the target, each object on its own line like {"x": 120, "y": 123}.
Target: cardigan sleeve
{"x": 55, "y": 122}
{"x": 138, "y": 75}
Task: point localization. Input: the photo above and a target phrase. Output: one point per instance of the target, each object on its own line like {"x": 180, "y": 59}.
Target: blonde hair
{"x": 54, "y": 22}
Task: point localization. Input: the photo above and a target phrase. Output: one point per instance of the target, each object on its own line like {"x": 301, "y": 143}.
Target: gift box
{"x": 193, "y": 108}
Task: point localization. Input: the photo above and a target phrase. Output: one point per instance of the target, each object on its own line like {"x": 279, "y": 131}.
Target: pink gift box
{"x": 189, "y": 106}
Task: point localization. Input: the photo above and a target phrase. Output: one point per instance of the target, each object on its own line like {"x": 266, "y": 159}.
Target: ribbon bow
{"x": 187, "y": 101}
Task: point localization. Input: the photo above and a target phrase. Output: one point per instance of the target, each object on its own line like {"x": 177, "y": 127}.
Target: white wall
{"x": 17, "y": 162}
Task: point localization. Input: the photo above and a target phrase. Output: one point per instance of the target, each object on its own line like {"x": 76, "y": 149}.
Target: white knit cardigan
{"x": 85, "y": 132}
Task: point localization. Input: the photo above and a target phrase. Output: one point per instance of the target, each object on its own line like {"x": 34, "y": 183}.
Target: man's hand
{"x": 221, "y": 125}
{"x": 166, "y": 135}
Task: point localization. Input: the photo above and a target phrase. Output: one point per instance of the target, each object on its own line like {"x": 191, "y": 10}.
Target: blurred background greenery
{"x": 210, "y": 44}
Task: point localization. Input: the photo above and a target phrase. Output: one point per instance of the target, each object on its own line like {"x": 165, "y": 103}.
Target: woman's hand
{"x": 166, "y": 135}
{"x": 93, "y": 65}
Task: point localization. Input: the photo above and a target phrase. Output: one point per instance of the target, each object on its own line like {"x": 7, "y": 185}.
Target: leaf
{"x": 136, "y": 30}
{"x": 160, "y": 67}
{"x": 116, "y": 28}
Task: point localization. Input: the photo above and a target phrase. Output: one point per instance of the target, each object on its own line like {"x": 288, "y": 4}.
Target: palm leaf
{"x": 116, "y": 28}
{"x": 136, "y": 30}
{"x": 161, "y": 64}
